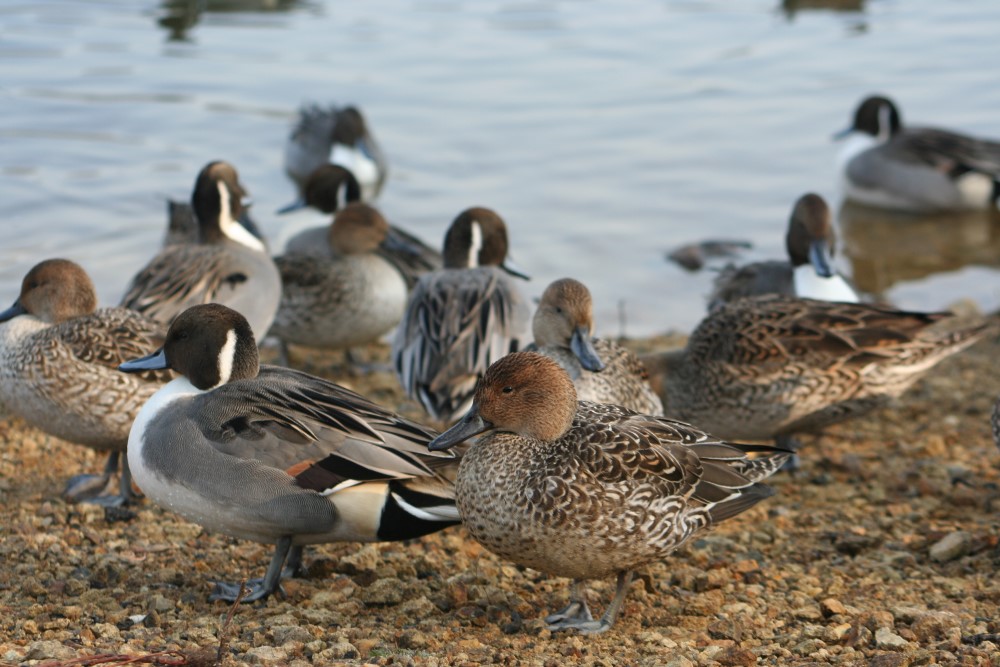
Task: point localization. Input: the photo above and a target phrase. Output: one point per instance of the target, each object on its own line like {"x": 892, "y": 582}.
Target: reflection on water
{"x": 792, "y": 7}
{"x": 179, "y": 16}
{"x": 886, "y": 247}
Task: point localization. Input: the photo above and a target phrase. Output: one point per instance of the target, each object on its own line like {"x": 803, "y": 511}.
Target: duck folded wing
{"x": 111, "y": 336}
{"x": 951, "y": 153}
{"x": 289, "y": 420}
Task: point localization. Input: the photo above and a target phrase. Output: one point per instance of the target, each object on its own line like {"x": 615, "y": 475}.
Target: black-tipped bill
{"x": 151, "y": 362}
{"x": 820, "y": 258}
{"x": 13, "y": 311}
{"x": 471, "y": 424}
{"x": 299, "y": 203}
{"x": 514, "y": 270}
{"x": 583, "y": 348}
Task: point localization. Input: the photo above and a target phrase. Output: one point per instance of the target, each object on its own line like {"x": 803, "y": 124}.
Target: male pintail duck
{"x": 334, "y": 136}
{"x": 601, "y": 370}
{"x": 58, "y": 360}
{"x": 277, "y": 456}
{"x": 917, "y": 169}
{"x": 182, "y": 225}
{"x": 462, "y": 318}
{"x": 586, "y": 490}
{"x": 229, "y": 265}
{"x": 350, "y": 299}
{"x": 809, "y": 271}
{"x": 770, "y": 366}
{"x": 411, "y": 256}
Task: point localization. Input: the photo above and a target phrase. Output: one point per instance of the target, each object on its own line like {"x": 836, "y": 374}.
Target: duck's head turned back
{"x": 877, "y": 116}
{"x": 209, "y": 344}
{"x": 357, "y": 229}
{"x": 477, "y": 237}
{"x": 54, "y": 291}
{"x": 811, "y": 234}
{"x": 219, "y": 202}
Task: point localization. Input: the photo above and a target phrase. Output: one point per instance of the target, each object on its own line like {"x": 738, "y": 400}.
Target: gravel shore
{"x": 882, "y": 550}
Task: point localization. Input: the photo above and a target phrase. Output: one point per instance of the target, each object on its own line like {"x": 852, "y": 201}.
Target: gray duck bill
{"x": 471, "y": 424}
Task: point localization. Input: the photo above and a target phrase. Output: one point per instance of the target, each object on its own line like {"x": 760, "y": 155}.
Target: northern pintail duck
{"x": 411, "y": 256}
{"x": 58, "y": 361}
{"x": 601, "y": 370}
{"x": 920, "y": 169}
{"x": 277, "y": 456}
{"x": 350, "y": 299}
{"x": 809, "y": 271}
{"x": 770, "y": 366}
{"x": 586, "y": 490}
{"x": 462, "y": 318}
{"x": 182, "y": 225}
{"x": 229, "y": 265}
{"x": 334, "y": 136}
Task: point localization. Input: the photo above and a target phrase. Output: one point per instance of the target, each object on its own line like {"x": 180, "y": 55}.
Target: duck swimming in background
{"x": 918, "y": 169}
{"x": 585, "y": 490}
{"x": 771, "y": 366}
{"x": 276, "y": 456}
{"x": 462, "y": 318}
{"x": 337, "y": 136}
{"x": 602, "y": 371}
{"x": 808, "y": 272}
{"x": 351, "y": 299}
{"x": 58, "y": 361}
{"x": 228, "y": 265}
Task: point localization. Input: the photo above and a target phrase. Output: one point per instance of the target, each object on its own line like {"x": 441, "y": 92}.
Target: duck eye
{"x": 508, "y": 389}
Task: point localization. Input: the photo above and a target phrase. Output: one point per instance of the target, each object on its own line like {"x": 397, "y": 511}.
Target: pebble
{"x": 266, "y": 655}
{"x": 887, "y": 639}
{"x": 49, "y": 649}
{"x": 951, "y": 546}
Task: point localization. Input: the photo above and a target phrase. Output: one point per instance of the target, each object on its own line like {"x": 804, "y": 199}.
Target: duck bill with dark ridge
{"x": 470, "y": 425}
{"x": 583, "y": 347}
{"x": 13, "y": 311}
{"x": 151, "y": 362}
{"x": 821, "y": 258}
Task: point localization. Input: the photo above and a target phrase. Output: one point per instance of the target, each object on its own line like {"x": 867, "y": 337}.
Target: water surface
{"x": 604, "y": 133}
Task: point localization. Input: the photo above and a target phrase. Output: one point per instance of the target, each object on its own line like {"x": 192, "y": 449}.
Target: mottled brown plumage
{"x": 585, "y": 490}
{"x": 773, "y": 365}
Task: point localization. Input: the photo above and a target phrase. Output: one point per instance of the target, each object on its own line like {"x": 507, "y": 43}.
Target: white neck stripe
{"x": 476, "y": 244}
{"x": 227, "y": 358}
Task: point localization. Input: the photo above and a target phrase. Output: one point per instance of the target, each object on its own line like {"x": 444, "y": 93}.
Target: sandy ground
{"x": 882, "y": 550}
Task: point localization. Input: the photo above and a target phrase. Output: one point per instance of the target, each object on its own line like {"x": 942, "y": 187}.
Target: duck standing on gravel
{"x": 462, "y": 318}
{"x": 278, "y": 456}
{"x": 352, "y": 298}
{"x": 229, "y": 265}
{"x": 808, "y": 273}
{"x": 771, "y": 366}
{"x": 585, "y": 490}
{"x": 58, "y": 360}
{"x": 602, "y": 370}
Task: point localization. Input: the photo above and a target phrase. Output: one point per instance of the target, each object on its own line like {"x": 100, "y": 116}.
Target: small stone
{"x": 106, "y": 631}
{"x": 837, "y": 632}
{"x": 266, "y": 655}
{"x": 680, "y": 661}
{"x": 737, "y": 657}
{"x": 809, "y": 613}
{"x": 49, "y": 649}
{"x": 290, "y": 633}
{"x": 383, "y": 592}
{"x": 160, "y": 604}
{"x": 933, "y": 625}
{"x": 341, "y": 650}
{"x": 365, "y": 559}
{"x": 887, "y": 639}
{"x": 831, "y": 607}
{"x": 412, "y": 639}
{"x": 951, "y": 546}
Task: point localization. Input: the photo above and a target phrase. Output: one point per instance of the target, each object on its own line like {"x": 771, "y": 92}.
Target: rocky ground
{"x": 882, "y": 550}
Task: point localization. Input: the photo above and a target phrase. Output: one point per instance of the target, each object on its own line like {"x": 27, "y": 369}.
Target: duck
{"x": 602, "y": 371}
{"x": 772, "y": 366}
{"x": 58, "y": 360}
{"x": 587, "y": 490}
{"x": 808, "y": 272}
{"x": 228, "y": 265}
{"x": 338, "y": 136}
{"x": 916, "y": 169}
{"x": 410, "y": 255}
{"x": 182, "y": 225}
{"x": 462, "y": 318}
{"x": 351, "y": 299}
{"x": 277, "y": 456}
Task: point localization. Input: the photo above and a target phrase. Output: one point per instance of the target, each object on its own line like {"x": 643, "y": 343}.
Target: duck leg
{"x": 293, "y": 566}
{"x": 576, "y": 610}
{"x": 87, "y": 487}
{"x": 591, "y": 627}
{"x": 259, "y": 589}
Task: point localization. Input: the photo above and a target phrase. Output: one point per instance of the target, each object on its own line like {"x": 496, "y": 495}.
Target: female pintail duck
{"x": 461, "y": 319}
{"x": 351, "y": 299}
{"x": 277, "y": 456}
{"x": 334, "y": 136}
{"x": 58, "y": 360}
{"x": 229, "y": 265}
{"x": 770, "y": 366}
{"x": 809, "y": 271}
{"x": 411, "y": 256}
{"x": 921, "y": 169}
{"x": 601, "y": 370}
{"x": 586, "y": 490}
